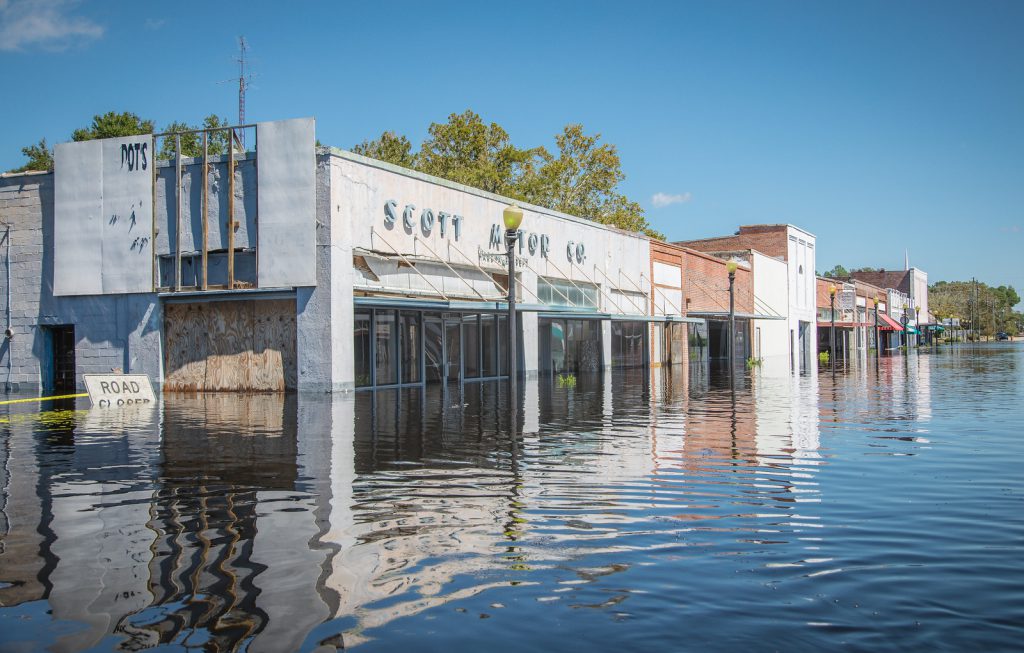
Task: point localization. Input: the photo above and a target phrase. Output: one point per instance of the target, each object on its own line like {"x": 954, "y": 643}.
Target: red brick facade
{"x": 770, "y": 239}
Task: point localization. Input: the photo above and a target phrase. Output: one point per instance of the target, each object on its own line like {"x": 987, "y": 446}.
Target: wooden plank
{"x": 241, "y": 346}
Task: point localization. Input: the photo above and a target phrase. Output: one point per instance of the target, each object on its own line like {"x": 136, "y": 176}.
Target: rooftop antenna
{"x": 244, "y": 80}
{"x": 906, "y": 260}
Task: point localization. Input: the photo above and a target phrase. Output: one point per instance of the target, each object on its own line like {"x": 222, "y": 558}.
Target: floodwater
{"x": 879, "y": 508}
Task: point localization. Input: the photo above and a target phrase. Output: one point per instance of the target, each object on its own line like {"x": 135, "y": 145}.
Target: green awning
{"x": 912, "y": 331}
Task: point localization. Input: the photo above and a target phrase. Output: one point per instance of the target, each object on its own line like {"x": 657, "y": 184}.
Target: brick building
{"x": 796, "y": 248}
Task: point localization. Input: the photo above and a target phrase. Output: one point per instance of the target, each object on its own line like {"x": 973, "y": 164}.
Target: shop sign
{"x": 426, "y": 219}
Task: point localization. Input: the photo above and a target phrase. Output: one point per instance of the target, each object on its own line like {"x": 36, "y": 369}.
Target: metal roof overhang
{"x": 711, "y": 315}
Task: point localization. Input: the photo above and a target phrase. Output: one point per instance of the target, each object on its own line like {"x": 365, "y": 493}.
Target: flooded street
{"x": 879, "y": 508}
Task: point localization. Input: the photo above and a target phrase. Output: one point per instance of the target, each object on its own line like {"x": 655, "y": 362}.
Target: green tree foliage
{"x": 581, "y": 178}
{"x": 991, "y": 308}
{"x": 192, "y": 142}
{"x": 111, "y": 125}
{"x": 40, "y": 157}
{"x": 390, "y": 147}
{"x": 467, "y": 151}
{"x": 838, "y": 272}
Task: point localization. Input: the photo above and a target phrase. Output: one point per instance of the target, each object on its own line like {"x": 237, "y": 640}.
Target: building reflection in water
{"x": 273, "y": 522}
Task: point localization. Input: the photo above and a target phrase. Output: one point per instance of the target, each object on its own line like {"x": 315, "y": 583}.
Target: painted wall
{"x": 771, "y": 297}
{"x": 385, "y": 209}
{"x": 801, "y": 288}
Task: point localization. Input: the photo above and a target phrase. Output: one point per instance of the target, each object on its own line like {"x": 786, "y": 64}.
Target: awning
{"x": 912, "y": 331}
{"x": 888, "y": 324}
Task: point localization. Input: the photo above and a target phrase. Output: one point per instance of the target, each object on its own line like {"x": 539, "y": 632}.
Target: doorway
{"x": 62, "y": 340}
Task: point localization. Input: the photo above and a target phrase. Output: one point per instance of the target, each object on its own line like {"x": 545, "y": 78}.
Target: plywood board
{"x": 286, "y": 203}
{"x": 246, "y": 346}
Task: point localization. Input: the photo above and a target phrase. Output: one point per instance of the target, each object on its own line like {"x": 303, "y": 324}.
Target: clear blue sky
{"x": 878, "y": 126}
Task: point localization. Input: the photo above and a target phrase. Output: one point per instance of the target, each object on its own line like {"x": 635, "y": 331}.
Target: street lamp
{"x": 878, "y": 345}
{"x": 730, "y": 267}
{"x": 513, "y": 218}
{"x": 906, "y": 336}
{"x": 832, "y": 333}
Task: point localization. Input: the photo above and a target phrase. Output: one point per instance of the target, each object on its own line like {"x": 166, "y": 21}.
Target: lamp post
{"x": 878, "y": 345}
{"x": 906, "y": 336}
{"x": 730, "y": 267}
{"x": 832, "y": 332}
{"x": 512, "y": 217}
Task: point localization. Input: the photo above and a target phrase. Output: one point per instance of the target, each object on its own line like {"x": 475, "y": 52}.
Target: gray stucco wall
{"x": 115, "y": 331}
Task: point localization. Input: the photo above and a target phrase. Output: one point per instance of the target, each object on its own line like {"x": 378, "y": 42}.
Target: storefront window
{"x": 502, "y": 345}
{"x": 410, "y": 347}
{"x": 361, "y": 352}
{"x": 433, "y": 348}
{"x": 558, "y": 292}
{"x": 387, "y": 348}
{"x": 489, "y": 345}
{"x": 471, "y": 346}
{"x": 697, "y": 341}
{"x": 569, "y": 346}
{"x": 628, "y": 343}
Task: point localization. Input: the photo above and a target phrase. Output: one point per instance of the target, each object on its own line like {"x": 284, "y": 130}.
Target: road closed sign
{"x": 114, "y": 390}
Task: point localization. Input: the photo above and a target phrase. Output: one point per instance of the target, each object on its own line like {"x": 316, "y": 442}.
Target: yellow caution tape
{"x": 23, "y": 401}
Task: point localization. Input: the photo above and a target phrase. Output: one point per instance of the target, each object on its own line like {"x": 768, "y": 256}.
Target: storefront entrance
{"x": 569, "y": 346}
{"x": 398, "y": 347}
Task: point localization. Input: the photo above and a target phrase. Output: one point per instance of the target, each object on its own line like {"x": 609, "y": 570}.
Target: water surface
{"x": 879, "y": 508}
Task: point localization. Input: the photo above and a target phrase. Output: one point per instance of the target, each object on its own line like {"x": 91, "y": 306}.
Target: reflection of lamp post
{"x": 513, "y": 217}
{"x": 731, "y": 269}
{"x": 832, "y": 332}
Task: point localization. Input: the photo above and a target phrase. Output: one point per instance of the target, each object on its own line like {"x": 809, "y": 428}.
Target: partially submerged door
{"x": 63, "y": 338}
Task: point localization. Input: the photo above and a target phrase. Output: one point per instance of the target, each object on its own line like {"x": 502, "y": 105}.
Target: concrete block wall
{"x": 111, "y": 332}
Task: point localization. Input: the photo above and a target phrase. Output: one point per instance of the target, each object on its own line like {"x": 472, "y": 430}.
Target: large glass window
{"x": 410, "y": 347}
{"x": 502, "y": 345}
{"x": 629, "y": 340}
{"x": 362, "y": 349}
{"x": 489, "y": 345}
{"x": 697, "y": 341}
{"x": 569, "y": 346}
{"x": 433, "y": 348}
{"x": 558, "y": 292}
{"x": 387, "y": 348}
{"x": 471, "y": 346}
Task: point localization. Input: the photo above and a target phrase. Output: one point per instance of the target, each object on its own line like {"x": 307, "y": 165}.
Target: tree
{"x": 838, "y": 272}
{"x": 40, "y": 157}
{"x": 111, "y": 124}
{"x": 582, "y": 179}
{"x": 390, "y": 148}
{"x": 192, "y": 141}
{"x": 467, "y": 151}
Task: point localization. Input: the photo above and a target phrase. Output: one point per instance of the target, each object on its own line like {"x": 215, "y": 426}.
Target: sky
{"x": 882, "y": 127}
